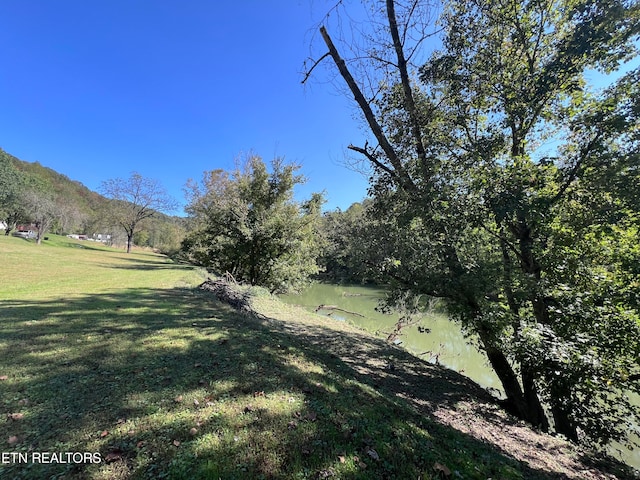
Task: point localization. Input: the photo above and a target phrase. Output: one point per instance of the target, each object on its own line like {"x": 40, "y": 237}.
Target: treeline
{"x": 37, "y": 196}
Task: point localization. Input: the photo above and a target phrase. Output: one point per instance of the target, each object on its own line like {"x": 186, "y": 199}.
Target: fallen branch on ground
{"x": 333, "y": 307}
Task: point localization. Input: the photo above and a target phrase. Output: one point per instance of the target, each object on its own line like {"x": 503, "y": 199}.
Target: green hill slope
{"x": 61, "y": 185}
{"x": 87, "y": 212}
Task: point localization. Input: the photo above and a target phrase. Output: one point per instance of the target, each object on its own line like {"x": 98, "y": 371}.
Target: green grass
{"x": 119, "y": 354}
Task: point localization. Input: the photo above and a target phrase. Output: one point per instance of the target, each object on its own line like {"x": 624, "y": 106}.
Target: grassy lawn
{"x": 116, "y": 354}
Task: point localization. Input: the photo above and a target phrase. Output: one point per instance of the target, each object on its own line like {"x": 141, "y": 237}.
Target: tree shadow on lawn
{"x": 148, "y": 266}
{"x": 173, "y": 384}
{"x": 155, "y": 263}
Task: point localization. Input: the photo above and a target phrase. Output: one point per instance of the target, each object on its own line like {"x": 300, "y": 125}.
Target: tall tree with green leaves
{"x": 506, "y": 187}
{"x": 247, "y": 223}
{"x": 133, "y": 200}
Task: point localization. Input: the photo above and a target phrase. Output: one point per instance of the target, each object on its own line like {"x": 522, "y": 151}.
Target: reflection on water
{"x": 436, "y": 339}
{"x": 441, "y": 339}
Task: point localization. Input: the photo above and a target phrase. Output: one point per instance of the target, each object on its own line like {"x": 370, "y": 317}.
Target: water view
{"x": 436, "y": 339}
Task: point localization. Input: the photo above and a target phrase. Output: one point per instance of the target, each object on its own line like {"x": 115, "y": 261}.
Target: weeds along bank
{"x": 120, "y": 359}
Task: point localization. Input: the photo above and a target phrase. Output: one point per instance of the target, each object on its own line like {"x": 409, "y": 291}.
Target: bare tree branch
{"x": 372, "y": 159}
{"x": 400, "y": 173}
{"x": 406, "y": 87}
{"x": 315, "y": 64}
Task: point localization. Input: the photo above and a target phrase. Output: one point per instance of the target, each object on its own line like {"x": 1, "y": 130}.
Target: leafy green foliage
{"x": 511, "y": 191}
{"x": 247, "y": 223}
{"x": 10, "y": 184}
{"x": 344, "y": 259}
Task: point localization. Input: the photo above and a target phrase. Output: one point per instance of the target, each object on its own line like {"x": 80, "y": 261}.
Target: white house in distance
{"x": 96, "y": 237}
{"x": 102, "y": 237}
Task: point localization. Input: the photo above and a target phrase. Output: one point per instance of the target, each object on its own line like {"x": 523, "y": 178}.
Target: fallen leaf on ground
{"x": 13, "y": 439}
{"x": 176, "y": 443}
{"x": 104, "y": 433}
{"x": 178, "y": 399}
{"x": 342, "y": 458}
{"x": 193, "y": 431}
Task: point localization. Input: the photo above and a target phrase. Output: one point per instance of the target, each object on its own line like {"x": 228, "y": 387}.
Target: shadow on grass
{"x": 155, "y": 263}
{"x": 173, "y": 384}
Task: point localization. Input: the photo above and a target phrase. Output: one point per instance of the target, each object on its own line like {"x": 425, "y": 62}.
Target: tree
{"x": 11, "y": 185}
{"x": 133, "y": 200}
{"x": 346, "y": 236}
{"x": 41, "y": 209}
{"x": 248, "y": 224}
{"x": 69, "y": 217}
{"x": 533, "y": 247}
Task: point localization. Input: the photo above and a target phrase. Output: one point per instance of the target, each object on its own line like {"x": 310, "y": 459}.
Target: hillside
{"x": 121, "y": 355}
{"x": 79, "y": 195}
{"x": 83, "y": 211}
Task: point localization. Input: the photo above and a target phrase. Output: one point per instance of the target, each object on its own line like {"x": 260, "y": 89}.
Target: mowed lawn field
{"x": 115, "y": 366}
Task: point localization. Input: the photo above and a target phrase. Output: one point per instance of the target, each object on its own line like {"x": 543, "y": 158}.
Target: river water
{"x": 441, "y": 340}
{"x": 436, "y": 339}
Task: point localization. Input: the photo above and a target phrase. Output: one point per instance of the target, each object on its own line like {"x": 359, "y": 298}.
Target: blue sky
{"x": 98, "y": 89}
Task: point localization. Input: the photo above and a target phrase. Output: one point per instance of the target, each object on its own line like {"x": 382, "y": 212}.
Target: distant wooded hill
{"x": 83, "y": 211}
{"x": 60, "y": 185}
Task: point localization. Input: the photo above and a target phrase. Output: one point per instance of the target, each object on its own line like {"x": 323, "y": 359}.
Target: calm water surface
{"x": 442, "y": 341}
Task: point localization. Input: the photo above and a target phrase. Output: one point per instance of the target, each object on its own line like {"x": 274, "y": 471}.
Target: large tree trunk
{"x": 563, "y": 423}
{"x": 530, "y": 265}
{"x": 536, "y": 414}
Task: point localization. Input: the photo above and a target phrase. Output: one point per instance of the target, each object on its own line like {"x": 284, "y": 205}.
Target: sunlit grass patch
{"x": 163, "y": 381}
